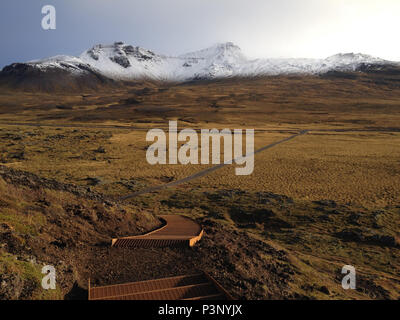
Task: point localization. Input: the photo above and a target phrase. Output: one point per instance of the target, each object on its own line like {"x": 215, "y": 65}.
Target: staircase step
{"x": 178, "y": 231}
{"x": 218, "y": 296}
{"x": 188, "y": 287}
{"x": 179, "y": 293}
{"x": 150, "y": 243}
{"x": 145, "y": 286}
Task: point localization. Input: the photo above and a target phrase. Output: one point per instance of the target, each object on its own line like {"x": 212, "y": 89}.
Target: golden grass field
{"x": 348, "y": 167}
{"x": 358, "y": 166}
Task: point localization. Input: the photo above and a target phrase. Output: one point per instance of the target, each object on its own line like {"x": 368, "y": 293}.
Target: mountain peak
{"x": 217, "y": 51}
{"x": 352, "y": 57}
{"x": 118, "y": 54}
{"x": 227, "y": 46}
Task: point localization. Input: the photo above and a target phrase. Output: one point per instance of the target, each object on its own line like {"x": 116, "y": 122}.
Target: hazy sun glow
{"x": 329, "y": 27}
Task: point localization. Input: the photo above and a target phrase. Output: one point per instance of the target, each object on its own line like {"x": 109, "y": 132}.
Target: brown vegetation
{"x": 312, "y": 205}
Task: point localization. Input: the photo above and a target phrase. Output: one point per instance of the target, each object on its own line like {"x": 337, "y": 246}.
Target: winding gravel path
{"x": 206, "y": 171}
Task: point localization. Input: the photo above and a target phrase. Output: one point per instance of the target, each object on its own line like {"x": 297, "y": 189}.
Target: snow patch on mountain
{"x": 70, "y": 63}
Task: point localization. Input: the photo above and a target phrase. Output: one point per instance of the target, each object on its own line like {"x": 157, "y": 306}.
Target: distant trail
{"x": 130, "y": 127}
{"x": 206, "y": 171}
{"x": 112, "y": 126}
{"x": 71, "y": 125}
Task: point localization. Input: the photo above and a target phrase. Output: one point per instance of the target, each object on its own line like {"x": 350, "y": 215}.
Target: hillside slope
{"x": 43, "y": 222}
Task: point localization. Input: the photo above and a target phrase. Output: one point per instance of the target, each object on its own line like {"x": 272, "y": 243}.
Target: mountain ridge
{"x": 105, "y": 64}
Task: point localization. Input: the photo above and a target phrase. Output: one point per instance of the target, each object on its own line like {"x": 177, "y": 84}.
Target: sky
{"x": 262, "y": 28}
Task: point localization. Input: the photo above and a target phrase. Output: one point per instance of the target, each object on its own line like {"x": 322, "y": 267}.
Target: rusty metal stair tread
{"x": 176, "y": 293}
{"x": 218, "y": 296}
{"x": 143, "y": 286}
{"x": 189, "y": 287}
{"x": 150, "y": 243}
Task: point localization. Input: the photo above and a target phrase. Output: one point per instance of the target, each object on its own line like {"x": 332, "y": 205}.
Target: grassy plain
{"x": 328, "y": 198}
{"x": 350, "y": 155}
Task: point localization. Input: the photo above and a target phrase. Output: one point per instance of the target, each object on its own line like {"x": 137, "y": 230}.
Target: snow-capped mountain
{"x": 121, "y": 61}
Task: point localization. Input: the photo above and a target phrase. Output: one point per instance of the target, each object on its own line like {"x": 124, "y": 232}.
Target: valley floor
{"x": 312, "y": 205}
